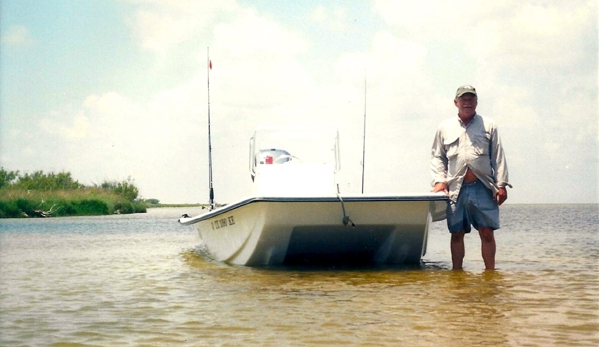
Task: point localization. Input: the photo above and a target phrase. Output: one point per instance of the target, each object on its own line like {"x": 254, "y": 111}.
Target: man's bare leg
{"x": 487, "y": 239}
{"x": 457, "y": 249}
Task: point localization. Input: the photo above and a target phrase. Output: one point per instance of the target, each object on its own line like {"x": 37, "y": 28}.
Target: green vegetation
{"x": 48, "y": 195}
{"x": 203, "y": 206}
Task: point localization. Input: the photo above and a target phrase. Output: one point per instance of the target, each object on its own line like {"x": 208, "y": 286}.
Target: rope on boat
{"x": 346, "y": 219}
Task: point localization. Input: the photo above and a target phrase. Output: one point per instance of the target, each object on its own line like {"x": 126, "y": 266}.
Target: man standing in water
{"x": 468, "y": 164}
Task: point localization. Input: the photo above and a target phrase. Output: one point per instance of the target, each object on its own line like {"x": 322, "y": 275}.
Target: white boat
{"x": 298, "y": 217}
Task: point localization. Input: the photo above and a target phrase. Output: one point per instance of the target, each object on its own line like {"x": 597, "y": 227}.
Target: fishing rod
{"x": 211, "y": 197}
{"x": 364, "y": 136}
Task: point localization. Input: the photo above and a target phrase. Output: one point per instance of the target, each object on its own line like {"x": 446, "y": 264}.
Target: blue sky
{"x": 113, "y": 89}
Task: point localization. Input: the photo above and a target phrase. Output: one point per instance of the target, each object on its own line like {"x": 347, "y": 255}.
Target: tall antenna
{"x": 211, "y": 199}
{"x": 364, "y": 135}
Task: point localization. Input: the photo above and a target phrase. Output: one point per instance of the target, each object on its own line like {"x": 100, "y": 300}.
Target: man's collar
{"x": 471, "y": 119}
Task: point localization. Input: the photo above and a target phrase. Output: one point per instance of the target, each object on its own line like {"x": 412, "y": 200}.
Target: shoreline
{"x": 85, "y": 202}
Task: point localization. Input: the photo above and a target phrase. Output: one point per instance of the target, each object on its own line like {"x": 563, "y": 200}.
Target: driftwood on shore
{"x": 44, "y": 214}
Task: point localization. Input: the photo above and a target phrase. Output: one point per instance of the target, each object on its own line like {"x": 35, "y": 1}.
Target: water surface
{"x": 141, "y": 280}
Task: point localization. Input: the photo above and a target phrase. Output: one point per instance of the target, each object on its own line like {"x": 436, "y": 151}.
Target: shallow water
{"x": 141, "y": 280}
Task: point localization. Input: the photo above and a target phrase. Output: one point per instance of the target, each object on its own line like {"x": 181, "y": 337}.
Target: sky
{"x": 117, "y": 89}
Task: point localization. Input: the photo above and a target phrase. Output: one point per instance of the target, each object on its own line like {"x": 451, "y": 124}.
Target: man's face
{"x": 466, "y": 104}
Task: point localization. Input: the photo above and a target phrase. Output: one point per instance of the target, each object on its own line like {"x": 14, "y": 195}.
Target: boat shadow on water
{"x": 199, "y": 258}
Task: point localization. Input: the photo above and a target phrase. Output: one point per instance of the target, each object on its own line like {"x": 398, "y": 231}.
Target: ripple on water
{"x": 106, "y": 282}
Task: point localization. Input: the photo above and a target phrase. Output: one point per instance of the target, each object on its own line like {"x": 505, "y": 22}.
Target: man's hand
{"x": 440, "y": 187}
{"x": 501, "y": 196}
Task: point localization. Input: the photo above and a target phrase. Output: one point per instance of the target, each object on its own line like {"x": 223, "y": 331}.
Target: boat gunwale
{"x": 292, "y": 199}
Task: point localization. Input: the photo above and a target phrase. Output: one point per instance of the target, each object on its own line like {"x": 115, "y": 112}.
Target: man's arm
{"x": 440, "y": 187}
{"x": 439, "y": 164}
{"x": 500, "y": 170}
{"x": 501, "y": 196}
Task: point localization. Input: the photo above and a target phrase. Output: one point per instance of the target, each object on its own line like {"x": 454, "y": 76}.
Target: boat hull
{"x": 319, "y": 231}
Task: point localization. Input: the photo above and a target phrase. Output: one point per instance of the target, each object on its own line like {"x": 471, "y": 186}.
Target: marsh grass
{"x": 21, "y": 203}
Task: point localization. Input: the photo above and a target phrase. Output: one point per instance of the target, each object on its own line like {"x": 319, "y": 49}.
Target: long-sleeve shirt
{"x": 476, "y": 146}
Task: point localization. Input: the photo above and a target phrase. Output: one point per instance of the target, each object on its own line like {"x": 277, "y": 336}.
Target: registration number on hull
{"x": 222, "y": 223}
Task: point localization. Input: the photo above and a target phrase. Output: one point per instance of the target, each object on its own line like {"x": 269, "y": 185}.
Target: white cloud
{"x": 504, "y": 32}
{"x": 256, "y": 63}
{"x": 512, "y": 105}
{"x": 437, "y": 19}
{"x": 17, "y": 35}
{"x": 332, "y": 19}
{"x": 77, "y": 130}
{"x": 160, "y": 25}
{"x": 554, "y": 36}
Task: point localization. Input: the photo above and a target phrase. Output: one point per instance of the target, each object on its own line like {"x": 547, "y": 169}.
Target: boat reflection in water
{"x": 297, "y": 216}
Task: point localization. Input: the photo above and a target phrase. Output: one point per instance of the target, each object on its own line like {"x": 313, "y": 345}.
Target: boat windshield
{"x": 313, "y": 145}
